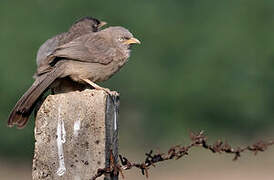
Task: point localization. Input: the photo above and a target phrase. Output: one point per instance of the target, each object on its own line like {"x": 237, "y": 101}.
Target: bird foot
{"x": 108, "y": 91}
{"x": 114, "y": 93}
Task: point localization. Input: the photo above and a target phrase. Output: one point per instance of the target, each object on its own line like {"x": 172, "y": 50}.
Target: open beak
{"x": 132, "y": 41}
{"x": 102, "y": 23}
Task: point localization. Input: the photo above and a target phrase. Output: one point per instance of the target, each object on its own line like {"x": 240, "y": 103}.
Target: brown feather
{"x": 23, "y": 108}
{"x": 92, "y": 48}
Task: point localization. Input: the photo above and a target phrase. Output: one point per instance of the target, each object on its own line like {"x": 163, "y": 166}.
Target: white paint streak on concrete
{"x": 61, "y": 139}
{"x": 76, "y": 127}
{"x": 115, "y": 119}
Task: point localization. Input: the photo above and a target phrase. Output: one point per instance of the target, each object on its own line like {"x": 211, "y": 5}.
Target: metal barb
{"x": 178, "y": 151}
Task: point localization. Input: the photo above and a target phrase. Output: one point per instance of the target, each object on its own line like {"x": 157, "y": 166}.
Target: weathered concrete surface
{"x": 74, "y": 133}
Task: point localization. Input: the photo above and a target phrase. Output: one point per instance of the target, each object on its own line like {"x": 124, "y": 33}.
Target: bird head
{"x": 88, "y": 24}
{"x": 122, "y": 38}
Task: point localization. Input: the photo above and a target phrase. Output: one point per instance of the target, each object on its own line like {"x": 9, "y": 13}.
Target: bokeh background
{"x": 202, "y": 65}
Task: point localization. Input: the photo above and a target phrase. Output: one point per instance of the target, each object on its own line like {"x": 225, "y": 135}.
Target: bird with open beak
{"x": 87, "y": 59}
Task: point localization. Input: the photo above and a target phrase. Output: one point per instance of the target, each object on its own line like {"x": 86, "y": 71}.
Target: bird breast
{"x": 95, "y": 72}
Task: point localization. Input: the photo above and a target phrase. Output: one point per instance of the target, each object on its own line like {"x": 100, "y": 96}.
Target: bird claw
{"x": 114, "y": 93}
{"x": 111, "y": 93}
{"x": 95, "y": 86}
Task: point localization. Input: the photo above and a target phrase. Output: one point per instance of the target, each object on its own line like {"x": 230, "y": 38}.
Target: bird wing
{"x": 46, "y": 49}
{"x": 92, "y": 48}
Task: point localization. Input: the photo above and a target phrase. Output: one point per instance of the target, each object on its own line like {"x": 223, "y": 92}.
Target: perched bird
{"x": 90, "y": 58}
{"x": 82, "y": 26}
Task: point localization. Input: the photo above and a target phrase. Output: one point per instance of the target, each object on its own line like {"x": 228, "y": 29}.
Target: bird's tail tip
{"x": 18, "y": 120}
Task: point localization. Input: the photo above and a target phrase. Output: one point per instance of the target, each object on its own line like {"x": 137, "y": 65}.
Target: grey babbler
{"x": 87, "y": 59}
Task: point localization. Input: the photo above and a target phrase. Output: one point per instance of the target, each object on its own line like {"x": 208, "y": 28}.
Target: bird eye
{"x": 121, "y": 39}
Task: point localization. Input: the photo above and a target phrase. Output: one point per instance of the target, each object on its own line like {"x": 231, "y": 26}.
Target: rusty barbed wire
{"x": 177, "y": 152}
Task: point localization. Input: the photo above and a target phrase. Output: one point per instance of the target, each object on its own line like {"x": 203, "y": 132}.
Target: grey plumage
{"x": 83, "y": 26}
{"x": 94, "y": 56}
{"x": 26, "y": 103}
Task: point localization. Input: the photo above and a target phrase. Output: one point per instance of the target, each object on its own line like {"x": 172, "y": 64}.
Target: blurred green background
{"x": 202, "y": 65}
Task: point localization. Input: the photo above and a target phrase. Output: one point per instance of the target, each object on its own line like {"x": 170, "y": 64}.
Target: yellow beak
{"x": 132, "y": 41}
{"x": 102, "y": 23}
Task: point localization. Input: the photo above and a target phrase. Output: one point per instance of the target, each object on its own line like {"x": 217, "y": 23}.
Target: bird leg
{"x": 100, "y": 88}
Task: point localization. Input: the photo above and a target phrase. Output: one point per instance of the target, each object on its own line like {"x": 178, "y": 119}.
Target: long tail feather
{"x": 20, "y": 114}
